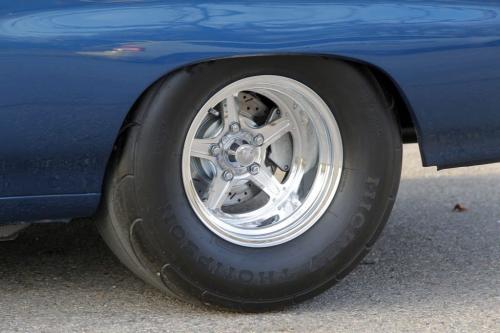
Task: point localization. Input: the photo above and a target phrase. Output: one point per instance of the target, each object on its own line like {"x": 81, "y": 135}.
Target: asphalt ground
{"x": 432, "y": 270}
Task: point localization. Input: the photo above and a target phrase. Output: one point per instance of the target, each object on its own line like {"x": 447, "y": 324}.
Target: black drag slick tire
{"x": 149, "y": 224}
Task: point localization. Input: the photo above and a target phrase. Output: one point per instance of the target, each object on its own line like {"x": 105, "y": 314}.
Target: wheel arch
{"x": 389, "y": 86}
{"x": 392, "y": 92}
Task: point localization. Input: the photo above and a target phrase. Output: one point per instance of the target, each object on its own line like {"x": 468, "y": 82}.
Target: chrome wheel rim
{"x": 262, "y": 161}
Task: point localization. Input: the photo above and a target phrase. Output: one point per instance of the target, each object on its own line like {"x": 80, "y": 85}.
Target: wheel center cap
{"x": 246, "y": 155}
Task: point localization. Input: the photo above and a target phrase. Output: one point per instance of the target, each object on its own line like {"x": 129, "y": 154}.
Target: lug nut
{"x": 254, "y": 169}
{"x": 258, "y": 140}
{"x": 234, "y": 127}
{"x": 227, "y": 175}
{"x": 215, "y": 150}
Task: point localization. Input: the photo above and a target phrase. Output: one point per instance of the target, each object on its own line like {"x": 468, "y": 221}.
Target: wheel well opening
{"x": 389, "y": 88}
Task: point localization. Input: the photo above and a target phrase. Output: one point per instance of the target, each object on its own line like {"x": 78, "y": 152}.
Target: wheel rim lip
{"x": 313, "y": 207}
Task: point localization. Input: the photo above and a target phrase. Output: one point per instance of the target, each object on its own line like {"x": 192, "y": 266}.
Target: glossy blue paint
{"x": 71, "y": 70}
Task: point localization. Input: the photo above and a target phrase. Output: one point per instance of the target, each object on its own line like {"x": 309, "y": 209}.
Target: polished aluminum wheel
{"x": 262, "y": 161}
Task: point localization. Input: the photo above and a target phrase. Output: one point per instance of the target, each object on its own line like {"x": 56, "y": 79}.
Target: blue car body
{"x": 70, "y": 72}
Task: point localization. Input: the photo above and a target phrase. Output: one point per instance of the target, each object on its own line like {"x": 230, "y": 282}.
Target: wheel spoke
{"x": 290, "y": 205}
{"x": 217, "y": 192}
{"x": 267, "y": 182}
{"x": 294, "y": 186}
{"x": 275, "y": 130}
{"x": 201, "y": 148}
{"x": 267, "y": 212}
{"x": 230, "y": 111}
